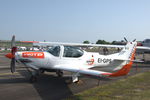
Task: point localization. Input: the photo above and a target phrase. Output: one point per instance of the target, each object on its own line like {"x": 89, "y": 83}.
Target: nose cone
{"x": 9, "y": 55}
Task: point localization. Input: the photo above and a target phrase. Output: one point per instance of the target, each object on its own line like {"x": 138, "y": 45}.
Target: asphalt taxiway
{"x": 48, "y": 87}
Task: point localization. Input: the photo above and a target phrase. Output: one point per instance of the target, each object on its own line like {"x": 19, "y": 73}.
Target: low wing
{"x": 94, "y": 72}
{"x": 82, "y": 71}
{"x": 85, "y": 45}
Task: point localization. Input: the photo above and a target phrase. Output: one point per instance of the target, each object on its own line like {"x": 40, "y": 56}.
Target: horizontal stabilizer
{"x": 140, "y": 61}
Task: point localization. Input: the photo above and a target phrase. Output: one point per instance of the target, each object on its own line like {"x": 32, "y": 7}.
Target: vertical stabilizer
{"x": 127, "y": 54}
{"x": 127, "y": 51}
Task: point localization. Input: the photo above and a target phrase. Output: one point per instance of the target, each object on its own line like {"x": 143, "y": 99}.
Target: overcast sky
{"x": 74, "y": 20}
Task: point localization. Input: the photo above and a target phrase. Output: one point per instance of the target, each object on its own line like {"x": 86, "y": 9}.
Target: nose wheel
{"x": 34, "y": 75}
{"x": 59, "y": 73}
{"x": 33, "y": 79}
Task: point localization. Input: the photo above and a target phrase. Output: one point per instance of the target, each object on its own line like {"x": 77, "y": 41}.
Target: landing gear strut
{"x": 75, "y": 77}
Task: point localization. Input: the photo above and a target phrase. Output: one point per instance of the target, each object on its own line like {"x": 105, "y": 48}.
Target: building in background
{"x": 6, "y": 45}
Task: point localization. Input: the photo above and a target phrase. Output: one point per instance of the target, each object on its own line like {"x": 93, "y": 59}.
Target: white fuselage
{"x": 37, "y": 60}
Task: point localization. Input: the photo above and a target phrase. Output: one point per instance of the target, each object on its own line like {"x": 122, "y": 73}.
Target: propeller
{"x": 12, "y": 65}
{"x": 125, "y": 39}
{"x": 13, "y": 51}
{"x": 134, "y": 40}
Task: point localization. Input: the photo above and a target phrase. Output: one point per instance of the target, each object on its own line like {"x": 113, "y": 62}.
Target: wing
{"x": 85, "y": 45}
{"x": 82, "y": 71}
{"x": 74, "y": 44}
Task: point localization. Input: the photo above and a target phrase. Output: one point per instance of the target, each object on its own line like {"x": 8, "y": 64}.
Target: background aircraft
{"x": 146, "y": 43}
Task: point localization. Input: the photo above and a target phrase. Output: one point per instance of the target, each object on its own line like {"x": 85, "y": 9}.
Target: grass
{"x": 135, "y": 87}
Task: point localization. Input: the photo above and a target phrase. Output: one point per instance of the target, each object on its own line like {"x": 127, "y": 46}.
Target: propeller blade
{"x": 134, "y": 40}
{"x": 125, "y": 39}
{"x": 13, "y": 44}
{"x": 13, "y": 51}
{"x": 12, "y": 65}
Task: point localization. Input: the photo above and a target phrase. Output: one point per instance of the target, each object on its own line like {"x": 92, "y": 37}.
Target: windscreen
{"x": 73, "y": 52}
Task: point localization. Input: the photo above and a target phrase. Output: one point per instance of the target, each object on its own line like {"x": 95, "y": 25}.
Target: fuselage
{"x": 67, "y": 55}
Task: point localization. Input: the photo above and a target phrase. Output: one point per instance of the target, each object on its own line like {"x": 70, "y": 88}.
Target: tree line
{"x": 122, "y": 42}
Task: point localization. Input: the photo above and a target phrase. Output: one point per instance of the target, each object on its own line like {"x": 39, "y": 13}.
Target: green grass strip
{"x": 135, "y": 87}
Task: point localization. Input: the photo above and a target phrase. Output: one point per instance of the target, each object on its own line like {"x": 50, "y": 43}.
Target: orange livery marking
{"x": 90, "y": 62}
{"x": 33, "y": 54}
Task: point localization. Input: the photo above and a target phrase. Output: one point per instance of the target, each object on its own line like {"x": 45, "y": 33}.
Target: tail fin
{"x": 127, "y": 51}
{"x": 126, "y": 54}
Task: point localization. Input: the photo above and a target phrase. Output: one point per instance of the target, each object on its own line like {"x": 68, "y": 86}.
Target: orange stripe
{"x": 30, "y": 41}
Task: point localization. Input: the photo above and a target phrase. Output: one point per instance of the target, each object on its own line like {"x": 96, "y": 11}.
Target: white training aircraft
{"x": 67, "y": 57}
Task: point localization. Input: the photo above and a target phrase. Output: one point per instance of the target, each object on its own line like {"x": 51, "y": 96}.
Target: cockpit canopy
{"x": 72, "y": 52}
{"x": 68, "y": 51}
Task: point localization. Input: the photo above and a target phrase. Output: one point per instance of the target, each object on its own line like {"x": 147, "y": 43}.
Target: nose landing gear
{"x": 59, "y": 73}
{"x": 36, "y": 73}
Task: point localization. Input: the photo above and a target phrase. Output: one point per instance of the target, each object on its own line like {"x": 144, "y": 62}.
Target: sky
{"x": 74, "y": 20}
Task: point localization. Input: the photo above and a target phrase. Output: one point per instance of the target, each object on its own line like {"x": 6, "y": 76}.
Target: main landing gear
{"x": 34, "y": 75}
{"x": 75, "y": 78}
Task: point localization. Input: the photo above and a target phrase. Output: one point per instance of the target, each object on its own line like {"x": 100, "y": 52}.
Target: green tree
{"x": 102, "y": 42}
{"x": 114, "y": 42}
{"x": 86, "y": 42}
